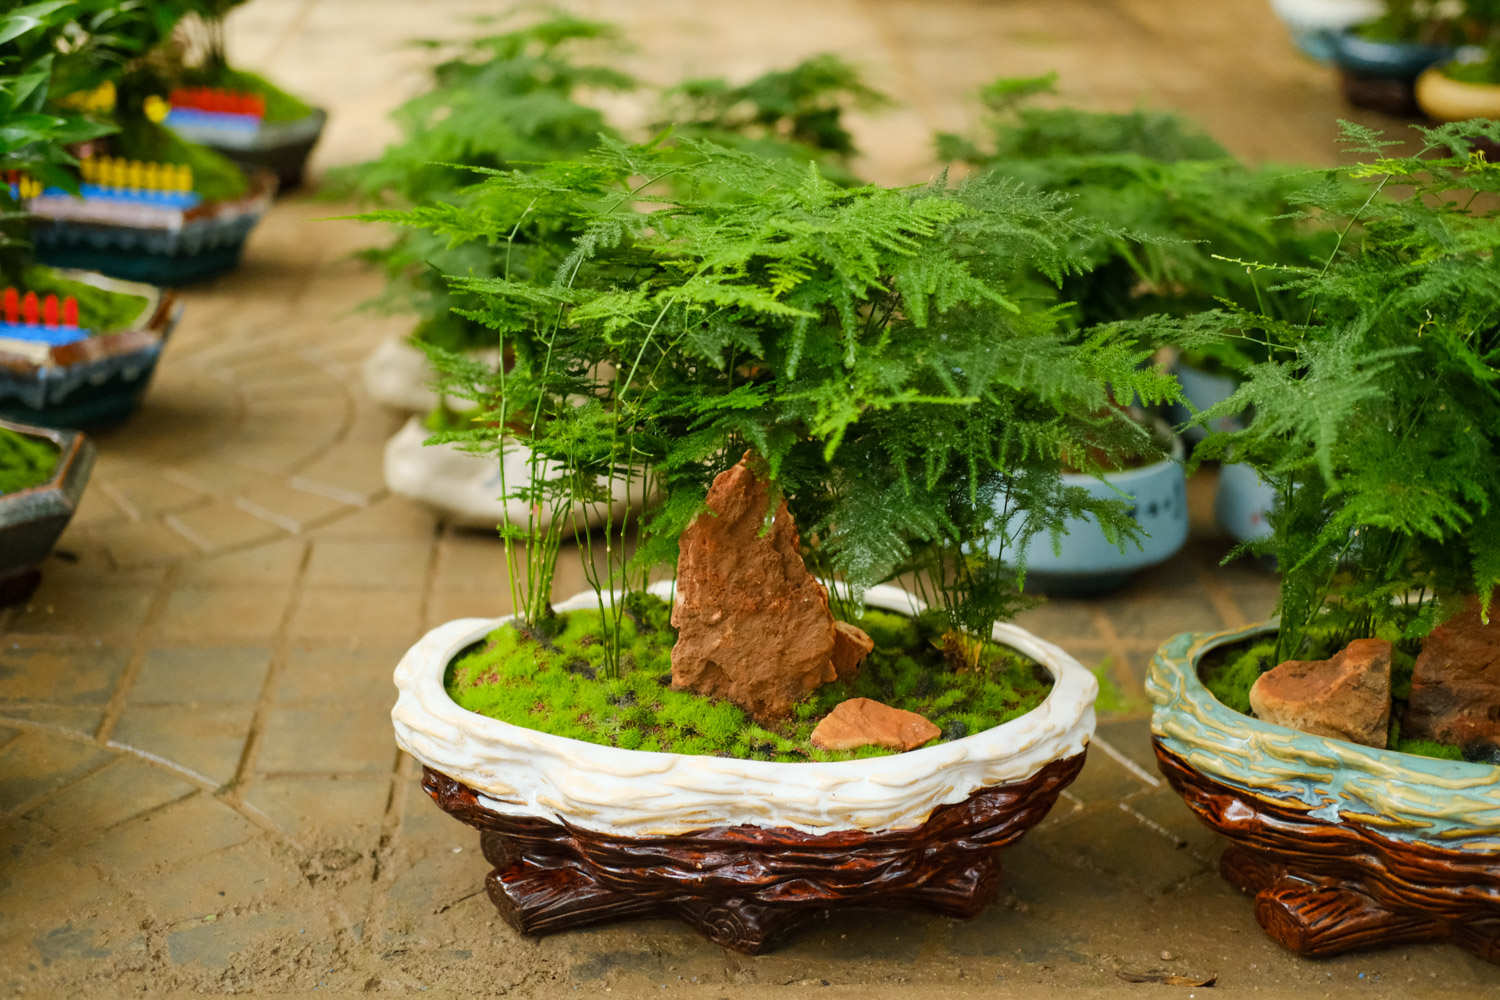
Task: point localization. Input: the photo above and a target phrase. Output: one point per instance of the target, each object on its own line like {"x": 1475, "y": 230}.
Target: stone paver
{"x": 198, "y": 787}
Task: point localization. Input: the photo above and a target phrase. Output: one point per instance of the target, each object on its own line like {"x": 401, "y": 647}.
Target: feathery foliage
{"x": 865, "y": 342}
{"x": 795, "y": 113}
{"x": 1179, "y": 213}
{"x": 1378, "y": 422}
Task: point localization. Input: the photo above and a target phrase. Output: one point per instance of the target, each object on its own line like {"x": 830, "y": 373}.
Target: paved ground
{"x": 198, "y": 788}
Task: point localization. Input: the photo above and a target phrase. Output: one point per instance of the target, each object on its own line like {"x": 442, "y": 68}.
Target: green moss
{"x": 558, "y": 684}
{"x": 99, "y": 310}
{"x": 215, "y": 177}
{"x": 25, "y": 461}
{"x": 1229, "y": 671}
{"x": 1429, "y": 748}
{"x": 1485, "y": 71}
{"x": 280, "y": 105}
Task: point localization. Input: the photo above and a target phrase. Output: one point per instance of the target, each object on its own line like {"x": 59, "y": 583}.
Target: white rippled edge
{"x": 520, "y": 771}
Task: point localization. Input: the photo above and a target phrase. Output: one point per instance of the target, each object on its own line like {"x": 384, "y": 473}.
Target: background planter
{"x": 1343, "y": 846}
{"x": 1086, "y": 562}
{"x": 281, "y": 148}
{"x": 91, "y": 382}
{"x": 31, "y": 520}
{"x": 741, "y": 849}
{"x": 1202, "y": 388}
{"x": 463, "y": 487}
{"x": 1243, "y": 502}
{"x": 1449, "y": 100}
{"x": 1311, "y": 22}
{"x": 1381, "y": 76}
{"x": 153, "y": 244}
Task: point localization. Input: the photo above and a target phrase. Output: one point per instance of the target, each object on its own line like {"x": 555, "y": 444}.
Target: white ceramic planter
{"x": 1312, "y": 21}
{"x": 465, "y": 488}
{"x": 523, "y": 772}
{"x": 398, "y": 375}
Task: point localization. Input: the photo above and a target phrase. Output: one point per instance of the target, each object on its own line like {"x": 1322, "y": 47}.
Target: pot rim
{"x": 1123, "y": 477}
{"x": 640, "y": 792}
{"x": 71, "y": 447}
{"x": 1452, "y": 803}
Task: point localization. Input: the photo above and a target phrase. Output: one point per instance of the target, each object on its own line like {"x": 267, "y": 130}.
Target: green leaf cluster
{"x": 1179, "y": 215}
{"x": 1378, "y": 421}
{"x": 886, "y": 353}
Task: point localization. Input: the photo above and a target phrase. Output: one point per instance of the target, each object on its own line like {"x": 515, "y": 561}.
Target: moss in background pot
{"x": 215, "y": 176}
{"x": 25, "y": 461}
{"x": 280, "y": 105}
{"x": 99, "y": 310}
{"x": 559, "y": 683}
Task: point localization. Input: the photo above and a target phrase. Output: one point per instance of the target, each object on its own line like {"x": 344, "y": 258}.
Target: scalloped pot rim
{"x": 522, "y": 771}
{"x": 1453, "y": 804}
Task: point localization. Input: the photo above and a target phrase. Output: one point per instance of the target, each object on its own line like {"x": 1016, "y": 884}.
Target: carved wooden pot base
{"x": 746, "y": 887}
{"x": 1322, "y": 888}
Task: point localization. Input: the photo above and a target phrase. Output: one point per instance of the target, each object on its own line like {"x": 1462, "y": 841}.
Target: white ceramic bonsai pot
{"x": 1343, "y": 846}
{"x": 1449, "y": 100}
{"x": 397, "y": 374}
{"x": 1312, "y": 21}
{"x": 742, "y": 849}
{"x": 465, "y": 488}
{"x": 31, "y": 520}
{"x": 94, "y": 381}
{"x": 1085, "y": 561}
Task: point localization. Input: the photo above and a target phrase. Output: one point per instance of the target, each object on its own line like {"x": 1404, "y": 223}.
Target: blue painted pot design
{"x": 1086, "y": 561}
{"x": 1391, "y": 60}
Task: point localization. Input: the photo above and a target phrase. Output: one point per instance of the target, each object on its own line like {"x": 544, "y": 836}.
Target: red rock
{"x": 753, "y": 624}
{"x": 863, "y": 722}
{"x": 1455, "y": 685}
{"x": 851, "y": 644}
{"x": 1347, "y": 697}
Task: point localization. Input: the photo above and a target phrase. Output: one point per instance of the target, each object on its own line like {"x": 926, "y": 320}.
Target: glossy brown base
{"x": 1322, "y": 888}
{"x": 747, "y": 887}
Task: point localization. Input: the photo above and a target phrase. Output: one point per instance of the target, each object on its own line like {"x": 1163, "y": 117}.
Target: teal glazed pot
{"x": 1085, "y": 561}
{"x": 1342, "y": 846}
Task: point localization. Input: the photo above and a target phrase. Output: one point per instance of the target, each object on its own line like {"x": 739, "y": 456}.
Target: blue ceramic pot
{"x": 1243, "y": 503}
{"x": 1086, "y": 562}
{"x": 1388, "y": 60}
{"x": 1202, "y": 389}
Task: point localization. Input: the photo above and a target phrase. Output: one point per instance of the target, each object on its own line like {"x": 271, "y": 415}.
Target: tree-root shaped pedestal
{"x": 1322, "y": 888}
{"x": 747, "y": 887}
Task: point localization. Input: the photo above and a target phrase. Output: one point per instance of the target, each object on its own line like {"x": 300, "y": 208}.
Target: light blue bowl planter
{"x": 1088, "y": 563}
{"x": 1342, "y": 846}
{"x": 1243, "y": 503}
{"x": 1202, "y": 389}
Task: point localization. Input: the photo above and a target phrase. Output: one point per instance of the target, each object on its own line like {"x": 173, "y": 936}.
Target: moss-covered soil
{"x": 24, "y": 461}
{"x": 1229, "y": 671}
{"x": 559, "y": 684}
{"x": 99, "y": 310}
{"x": 215, "y": 176}
{"x": 280, "y": 105}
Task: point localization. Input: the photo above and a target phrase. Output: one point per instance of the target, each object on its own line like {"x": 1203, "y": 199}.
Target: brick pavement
{"x": 198, "y": 787}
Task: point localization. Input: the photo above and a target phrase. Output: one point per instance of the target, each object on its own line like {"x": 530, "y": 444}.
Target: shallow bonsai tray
{"x": 1342, "y": 846}
{"x": 282, "y": 148}
{"x": 95, "y": 381}
{"x": 32, "y": 519}
{"x": 743, "y": 850}
{"x": 149, "y": 243}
